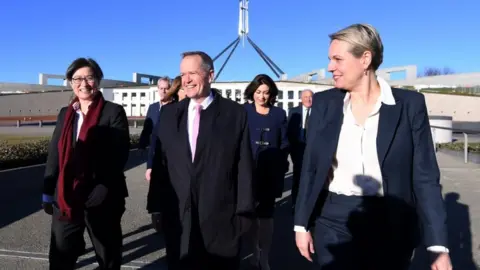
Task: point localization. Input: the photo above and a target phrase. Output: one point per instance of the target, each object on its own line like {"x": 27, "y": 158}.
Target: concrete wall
{"x": 47, "y": 103}
{"x": 465, "y": 110}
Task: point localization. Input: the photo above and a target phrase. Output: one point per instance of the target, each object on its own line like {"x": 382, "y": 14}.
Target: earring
{"x": 365, "y": 72}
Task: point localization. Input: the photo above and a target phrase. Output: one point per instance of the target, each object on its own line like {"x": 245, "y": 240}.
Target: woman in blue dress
{"x": 268, "y": 134}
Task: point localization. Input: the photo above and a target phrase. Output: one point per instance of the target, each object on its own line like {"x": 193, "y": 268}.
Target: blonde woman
{"x": 369, "y": 171}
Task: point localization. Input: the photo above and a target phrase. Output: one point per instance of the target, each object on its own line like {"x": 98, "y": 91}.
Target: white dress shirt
{"x": 356, "y": 169}
{"x": 191, "y": 113}
{"x": 304, "y": 115}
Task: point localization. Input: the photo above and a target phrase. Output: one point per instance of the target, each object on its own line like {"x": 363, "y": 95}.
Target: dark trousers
{"x": 103, "y": 224}
{"x": 352, "y": 233}
{"x": 198, "y": 257}
{"x": 297, "y": 159}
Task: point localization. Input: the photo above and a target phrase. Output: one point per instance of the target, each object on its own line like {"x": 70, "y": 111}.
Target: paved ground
{"x": 24, "y": 229}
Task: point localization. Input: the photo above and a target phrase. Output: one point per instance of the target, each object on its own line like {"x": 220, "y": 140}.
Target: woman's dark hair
{"x": 84, "y": 62}
{"x": 256, "y": 82}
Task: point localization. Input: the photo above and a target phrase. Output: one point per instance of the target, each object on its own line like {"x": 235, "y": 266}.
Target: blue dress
{"x": 268, "y": 135}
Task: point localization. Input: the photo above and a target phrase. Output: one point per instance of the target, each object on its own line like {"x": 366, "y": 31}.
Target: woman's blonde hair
{"x": 172, "y": 92}
{"x": 362, "y": 37}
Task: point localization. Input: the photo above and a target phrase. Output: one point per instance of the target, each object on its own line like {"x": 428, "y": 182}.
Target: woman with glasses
{"x": 86, "y": 158}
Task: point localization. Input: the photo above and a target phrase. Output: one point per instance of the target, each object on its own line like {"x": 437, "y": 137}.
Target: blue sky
{"x": 148, "y": 36}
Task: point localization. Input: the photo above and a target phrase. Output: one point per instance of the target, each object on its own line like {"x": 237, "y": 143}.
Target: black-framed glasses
{"x": 79, "y": 80}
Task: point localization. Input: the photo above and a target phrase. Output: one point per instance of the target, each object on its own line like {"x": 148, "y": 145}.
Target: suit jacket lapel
{"x": 387, "y": 126}
{"x": 182, "y": 131}
{"x": 207, "y": 125}
{"x": 334, "y": 119}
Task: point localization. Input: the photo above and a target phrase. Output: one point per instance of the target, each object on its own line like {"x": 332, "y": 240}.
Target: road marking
{"x": 46, "y": 259}
{"x": 13, "y": 253}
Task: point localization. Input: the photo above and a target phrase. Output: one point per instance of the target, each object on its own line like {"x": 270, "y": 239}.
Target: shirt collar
{"x": 386, "y": 95}
{"x": 205, "y": 103}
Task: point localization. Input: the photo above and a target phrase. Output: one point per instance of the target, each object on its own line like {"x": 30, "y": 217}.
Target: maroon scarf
{"x": 75, "y": 168}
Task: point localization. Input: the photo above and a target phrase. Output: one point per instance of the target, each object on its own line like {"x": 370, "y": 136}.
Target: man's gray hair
{"x": 165, "y": 78}
{"x": 207, "y": 62}
{"x": 306, "y": 90}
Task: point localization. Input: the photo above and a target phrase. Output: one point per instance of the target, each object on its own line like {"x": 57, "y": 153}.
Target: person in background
{"x": 268, "y": 135}
{"x": 153, "y": 112}
{"x": 85, "y": 168}
{"x": 369, "y": 171}
{"x": 202, "y": 173}
{"x": 297, "y": 130}
{"x": 174, "y": 94}
{"x": 151, "y": 120}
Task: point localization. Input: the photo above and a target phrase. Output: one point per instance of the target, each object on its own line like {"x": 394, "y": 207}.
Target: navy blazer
{"x": 406, "y": 154}
{"x": 151, "y": 120}
{"x": 268, "y": 139}
{"x": 296, "y": 132}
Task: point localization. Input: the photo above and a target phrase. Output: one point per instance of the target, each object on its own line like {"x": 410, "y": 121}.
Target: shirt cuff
{"x": 47, "y": 198}
{"x": 299, "y": 228}
{"x": 438, "y": 249}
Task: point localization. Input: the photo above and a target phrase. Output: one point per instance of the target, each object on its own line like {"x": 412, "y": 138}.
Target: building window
{"x": 290, "y": 94}
{"x": 238, "y": 95}
{"x": 142, "y": 94}
{"x": 280, "y": 104}
{"x": 290, "y": 105}
{"x": 280, "y": 94}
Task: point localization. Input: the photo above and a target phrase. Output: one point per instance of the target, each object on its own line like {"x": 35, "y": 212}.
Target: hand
{"x": 148, "y": 173}
{"x": 97, "y": 196}
{"x": 48, "y": 207}
{"x": 304, "y": 243}
{"x": 442, "y": 262}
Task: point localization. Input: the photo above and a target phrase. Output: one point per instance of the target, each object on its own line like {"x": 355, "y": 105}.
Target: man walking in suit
{"x": 151, "y": 120}
{"x": 153, "y": 113}
{"x": 202, "y": 174}
{"x": 296, "y": 132}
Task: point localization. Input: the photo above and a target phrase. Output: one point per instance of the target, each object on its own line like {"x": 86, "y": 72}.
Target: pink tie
{"x": 196, "y": 124}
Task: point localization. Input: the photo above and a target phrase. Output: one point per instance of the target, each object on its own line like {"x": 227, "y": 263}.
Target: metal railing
{"x": 465, "y": 133}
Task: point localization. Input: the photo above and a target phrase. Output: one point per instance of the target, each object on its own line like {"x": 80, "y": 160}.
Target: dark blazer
{"x": 268, "y": 135}
{"x": 212, "y": 196}
{"x": 407, "y": 160}
{"x": 151, "y": 120}
{"x": 112, "y": 134}
{"x": 296, "y": 132}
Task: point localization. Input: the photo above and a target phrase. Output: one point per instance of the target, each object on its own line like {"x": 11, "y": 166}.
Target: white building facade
{"x": 136, "y": 99}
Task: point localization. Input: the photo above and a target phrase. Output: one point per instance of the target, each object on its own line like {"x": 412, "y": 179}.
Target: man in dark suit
{"x": 153, "y": 113}
{"x": 149, "y": 124}
{"x": 296, "y": 132}
{"x": 202, "y": 175}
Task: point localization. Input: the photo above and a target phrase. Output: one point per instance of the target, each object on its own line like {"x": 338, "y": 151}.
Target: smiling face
{"x": 347, "y": 70}
{"x": 262, "y": 95}
{"x": 84, "y": 83}
{"x": 196, "y": 79}
{"x": 306, "y": 97}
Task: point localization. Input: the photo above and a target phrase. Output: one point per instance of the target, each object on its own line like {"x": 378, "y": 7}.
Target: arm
{"x": 308, "y": 172}
{"x": 119, "y": 147}
{"x": 158, "y": 185}
{"x": 147, "y": 129}
{"x": 153, "y": 141}
{"x": 52, "y": 166}
{"x": 284, "y": 144}
{"x": 426, "y": 181}
{"x": 245, "y": 179}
